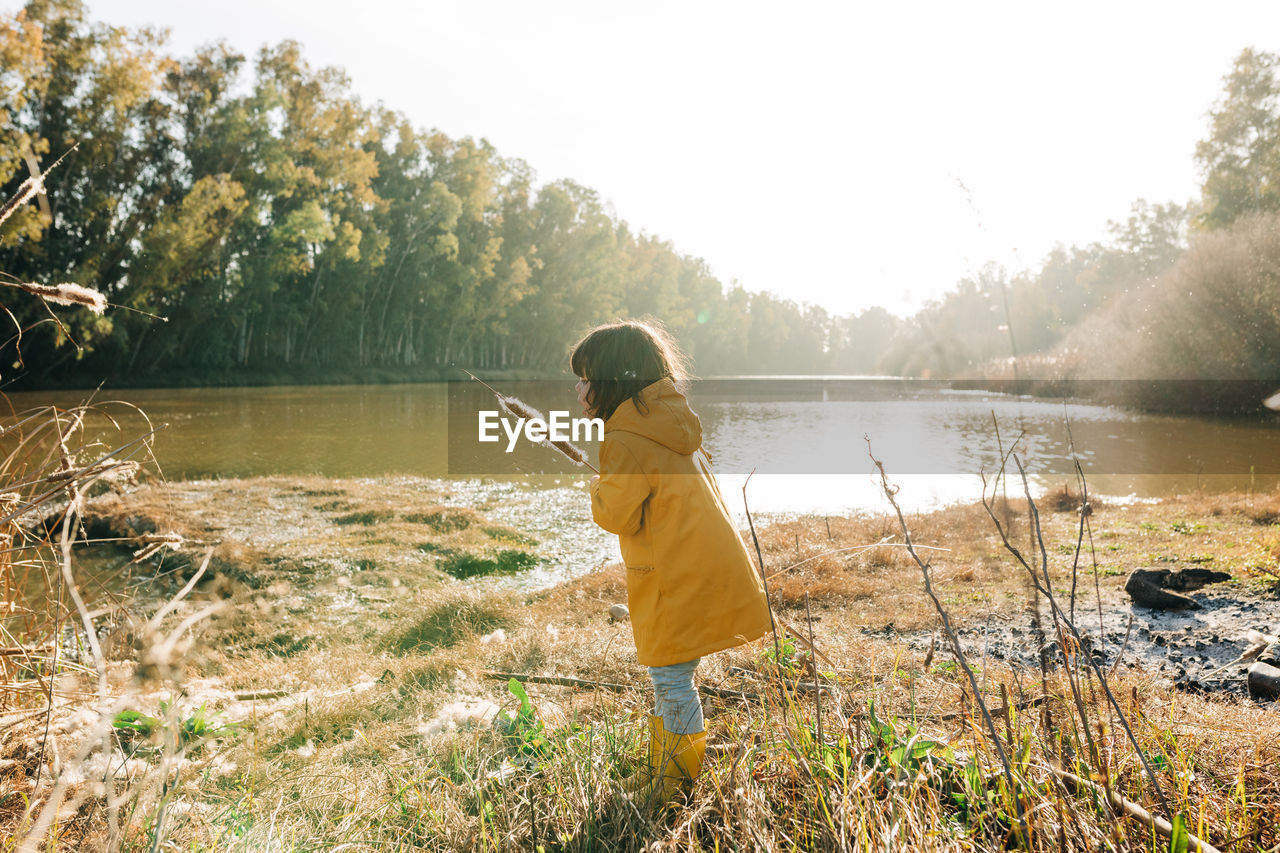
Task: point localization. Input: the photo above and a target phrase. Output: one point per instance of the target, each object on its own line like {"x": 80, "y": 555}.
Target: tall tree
{"x": 1241, "y": 158}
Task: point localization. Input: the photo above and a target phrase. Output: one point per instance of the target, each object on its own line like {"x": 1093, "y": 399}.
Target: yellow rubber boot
{"x": 682, "y": 762}
{"x": 643, "y": 778}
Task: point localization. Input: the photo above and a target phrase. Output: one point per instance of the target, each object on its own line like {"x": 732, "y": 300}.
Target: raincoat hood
{"x": 666, "y": 418}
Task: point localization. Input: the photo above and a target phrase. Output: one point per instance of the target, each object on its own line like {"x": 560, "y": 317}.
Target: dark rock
{"x": 1264, "y": 681}
{"x": 1185, "y": 580}
{"x": 1146, "y": 593}
{"x": 1161, "y": 589}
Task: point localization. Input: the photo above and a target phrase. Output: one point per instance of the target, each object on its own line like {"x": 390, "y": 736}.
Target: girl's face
{"x": 583, "y": 388}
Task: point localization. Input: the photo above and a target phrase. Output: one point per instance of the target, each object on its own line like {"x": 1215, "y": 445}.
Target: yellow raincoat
{"x": 692, "y": 588}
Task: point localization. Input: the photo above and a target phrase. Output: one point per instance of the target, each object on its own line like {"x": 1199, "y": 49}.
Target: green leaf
{"x": 1180, "y": 839}
{"x": 135, "y": 721}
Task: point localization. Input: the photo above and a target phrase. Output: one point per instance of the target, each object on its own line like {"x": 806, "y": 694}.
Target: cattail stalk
{"x": 28, "y": 190}
{"x": 32, "y": 186}
{"x": 518, "y": 408}
{"x": 66, "y": 293}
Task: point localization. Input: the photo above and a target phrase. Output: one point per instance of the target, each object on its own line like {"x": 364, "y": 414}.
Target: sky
{"x": 847, "y": 154}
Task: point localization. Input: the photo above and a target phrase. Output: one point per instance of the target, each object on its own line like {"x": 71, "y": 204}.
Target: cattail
{"x": 518, "y": 408}
{"x": 573, "y": 451}
{"x": 30, "y": 187}
{"x": 67, "y": 294}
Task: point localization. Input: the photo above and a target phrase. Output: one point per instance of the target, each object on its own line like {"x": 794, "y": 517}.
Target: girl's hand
{"x": 593, "y": 482}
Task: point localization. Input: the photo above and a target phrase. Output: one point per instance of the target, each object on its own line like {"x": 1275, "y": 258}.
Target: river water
{"x": 807, "y": 439}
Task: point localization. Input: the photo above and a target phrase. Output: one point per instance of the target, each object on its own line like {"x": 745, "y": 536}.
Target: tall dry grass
{"x": 61, "y": 694}
{"x": 894, "y": 754}
{"x": 70, "y": 736}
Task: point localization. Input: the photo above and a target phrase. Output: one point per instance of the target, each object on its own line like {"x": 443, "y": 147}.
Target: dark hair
{"x": 622, "y": 359}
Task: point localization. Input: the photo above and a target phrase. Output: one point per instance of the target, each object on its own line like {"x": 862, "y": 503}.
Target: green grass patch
{"x": 365, "y": 518}
{"x": 430, "y": 676}
{"x": 444, "y": 520}
{"x": 435, "y": 548}
{"x": 464, "y": 565}
{"x": 284, "y": 645}
{"x": 451, "y": 620}
{"x": 328, "y": 726}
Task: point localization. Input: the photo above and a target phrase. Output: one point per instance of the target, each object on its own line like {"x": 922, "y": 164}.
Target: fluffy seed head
{"x": 68, "y": 294}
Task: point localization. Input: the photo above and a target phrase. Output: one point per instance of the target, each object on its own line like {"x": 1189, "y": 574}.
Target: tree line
{"x": 282, "y": 227}
{"x": 276, "y": 222}
{"x": 1180, "y": 290}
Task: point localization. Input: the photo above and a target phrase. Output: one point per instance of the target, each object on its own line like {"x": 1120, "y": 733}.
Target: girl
{"x": 692, "y": 589}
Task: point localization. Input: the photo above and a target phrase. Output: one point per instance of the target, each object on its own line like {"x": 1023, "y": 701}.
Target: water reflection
{"x": 807, "y": 440}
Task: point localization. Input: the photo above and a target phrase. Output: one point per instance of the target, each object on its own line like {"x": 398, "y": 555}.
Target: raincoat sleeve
{"x": 619, "y": 495}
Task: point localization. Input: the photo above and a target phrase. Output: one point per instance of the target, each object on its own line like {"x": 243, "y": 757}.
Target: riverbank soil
{"x": 346, "y": 691}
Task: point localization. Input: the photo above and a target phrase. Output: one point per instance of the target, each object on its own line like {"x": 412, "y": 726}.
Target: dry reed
{"x": 66, "y": 294}
{"x": 26, "y": 191}
{"x": 519, "y": 409}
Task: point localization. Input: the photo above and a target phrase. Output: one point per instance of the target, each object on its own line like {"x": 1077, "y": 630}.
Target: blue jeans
{"x": 675, "y": 699}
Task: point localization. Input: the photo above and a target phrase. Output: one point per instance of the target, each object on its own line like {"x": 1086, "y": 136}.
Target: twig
{"x": 764, "y": 578}
{"x": 799, "y": 686}
{"x": 255, "y": 695}
{"x": 889, "y": 491}
{"x": 1060, "y": 620}
{"x": 1249, "y": 654}
{"x": 817, "y": 694}
{"x": 1123, "y": 646}
{"x": 802, "y": 641}
{"x": 559, "y": 680}
{"x": 881, "y": 544}
{"x": 1086, "y": 526}
{"x": 21, "y": 651}
{"x": 1131, "y": 809}
{"x": 998, "y": 712}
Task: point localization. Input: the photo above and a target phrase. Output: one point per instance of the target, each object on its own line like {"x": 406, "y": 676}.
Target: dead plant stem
{"x": 994, "y": 735}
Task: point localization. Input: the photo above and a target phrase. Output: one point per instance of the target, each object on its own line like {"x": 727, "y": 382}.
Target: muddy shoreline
{"x": 1193, "y": 650}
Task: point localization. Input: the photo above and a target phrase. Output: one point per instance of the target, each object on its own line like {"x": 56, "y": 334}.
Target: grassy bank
{"x": 341, "y": 697}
